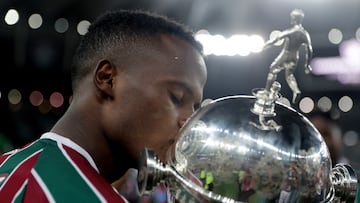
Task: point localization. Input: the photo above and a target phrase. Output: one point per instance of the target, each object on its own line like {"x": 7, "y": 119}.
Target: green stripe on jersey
{"x": 62, "y": 173}
{"x": 15, "y": 159}
{"x": 20, "y": 197}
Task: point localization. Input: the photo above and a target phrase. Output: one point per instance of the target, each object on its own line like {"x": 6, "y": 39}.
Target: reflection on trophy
{"x": 255, "y": 148}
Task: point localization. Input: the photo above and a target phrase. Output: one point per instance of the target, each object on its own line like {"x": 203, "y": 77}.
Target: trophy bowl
{"x": 256, "y": 162}
{"x": 224, "y": 154}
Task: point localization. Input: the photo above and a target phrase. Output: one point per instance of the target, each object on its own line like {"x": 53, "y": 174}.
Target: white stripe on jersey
{"x": 38, "y": 179}
{"x": 66, "y": 141}
{"x": 15, "y": 169}
{"x": 13, "y": 152}
{"x": 19, "y": 191}
{"x": 100, "y": 196}
{"x": 2, "y": 178}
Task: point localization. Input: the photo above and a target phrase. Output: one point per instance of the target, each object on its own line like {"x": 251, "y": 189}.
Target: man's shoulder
{"x": 60, "y": 172}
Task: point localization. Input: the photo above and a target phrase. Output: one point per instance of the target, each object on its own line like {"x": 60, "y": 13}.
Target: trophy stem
{"x": 151, "y": 171}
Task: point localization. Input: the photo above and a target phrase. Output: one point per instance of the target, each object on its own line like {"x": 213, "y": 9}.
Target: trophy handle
{"x": 343, "y": 184}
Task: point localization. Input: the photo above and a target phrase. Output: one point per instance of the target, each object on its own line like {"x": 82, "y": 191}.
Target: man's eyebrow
{"x": 184, "y": 86}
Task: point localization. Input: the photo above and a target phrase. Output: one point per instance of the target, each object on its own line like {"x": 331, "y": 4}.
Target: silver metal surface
{"x": 293, "y": 161}
{"x": 294, "y": 38}
{"x": 253, "y": 148}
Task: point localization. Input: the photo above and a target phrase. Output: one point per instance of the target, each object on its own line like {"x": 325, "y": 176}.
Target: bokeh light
{"x": 11, "y": 17}
{"x": 35, "y": 21}
{"x": 61, "y": 25}
{"x": 324, "y": 104}
{"x": 14, "y": 96}
{"x": 45, "y": 107}
{"x": 345, "y": 104}
{"x": 335, "y": 36}
{"x": 350, "y": 138}
{"x": 273, "y": 35}
{"x": 36, "y": 98}
{"x": 56, "y": 99}
{"x": 357, "y": 34}
{"x": 82, "y": 27}
{"x": 306, "y": 105}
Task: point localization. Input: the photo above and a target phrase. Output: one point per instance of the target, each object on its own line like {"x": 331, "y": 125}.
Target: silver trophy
{"x": 253, "y": 148}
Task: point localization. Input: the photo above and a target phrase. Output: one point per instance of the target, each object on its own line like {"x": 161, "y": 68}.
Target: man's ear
{"x": 104, "y": 78}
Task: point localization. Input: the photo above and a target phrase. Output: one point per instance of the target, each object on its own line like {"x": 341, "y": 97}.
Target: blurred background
{"x": 38, "y": 38}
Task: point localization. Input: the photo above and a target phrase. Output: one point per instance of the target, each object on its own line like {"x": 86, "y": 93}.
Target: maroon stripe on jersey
{"x": 7, "y": 155}
{"x": 17, "y": 178}
{"x": 34, "y": 192}
{"x": 4, "y": 157}
{"x": 104, "y": 188}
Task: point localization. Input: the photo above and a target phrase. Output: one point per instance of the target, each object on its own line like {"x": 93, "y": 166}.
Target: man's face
{"x": 155, "y": 95}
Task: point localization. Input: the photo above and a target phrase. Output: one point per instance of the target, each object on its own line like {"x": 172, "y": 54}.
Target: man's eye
{"x": 176, "y": 99}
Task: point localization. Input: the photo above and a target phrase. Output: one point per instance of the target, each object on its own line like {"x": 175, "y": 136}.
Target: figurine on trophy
{"x": 264, "y": 107}
{"x": 294, "y": 38}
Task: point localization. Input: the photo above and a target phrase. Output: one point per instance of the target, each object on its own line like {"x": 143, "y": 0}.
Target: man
{"x": 136, "y": 78}
{"x": 294, "y": 38}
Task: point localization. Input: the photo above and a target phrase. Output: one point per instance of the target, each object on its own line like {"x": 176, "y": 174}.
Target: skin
{"x": 141, "y": 101}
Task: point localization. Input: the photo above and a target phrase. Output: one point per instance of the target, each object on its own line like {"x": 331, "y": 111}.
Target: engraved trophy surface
{"x": 253, "y": 148}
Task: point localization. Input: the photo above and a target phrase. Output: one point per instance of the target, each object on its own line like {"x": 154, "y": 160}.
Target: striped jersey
{"x": 53, "y": 169}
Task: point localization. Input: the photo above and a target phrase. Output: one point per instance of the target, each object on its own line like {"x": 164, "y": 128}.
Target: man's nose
{"x": 185, "y": 116}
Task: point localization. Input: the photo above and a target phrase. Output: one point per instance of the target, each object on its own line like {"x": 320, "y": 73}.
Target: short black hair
{"x": 123, "y": 29}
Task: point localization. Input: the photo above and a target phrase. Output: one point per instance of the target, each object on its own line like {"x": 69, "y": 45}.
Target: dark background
{"x": 40, "y": 59}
